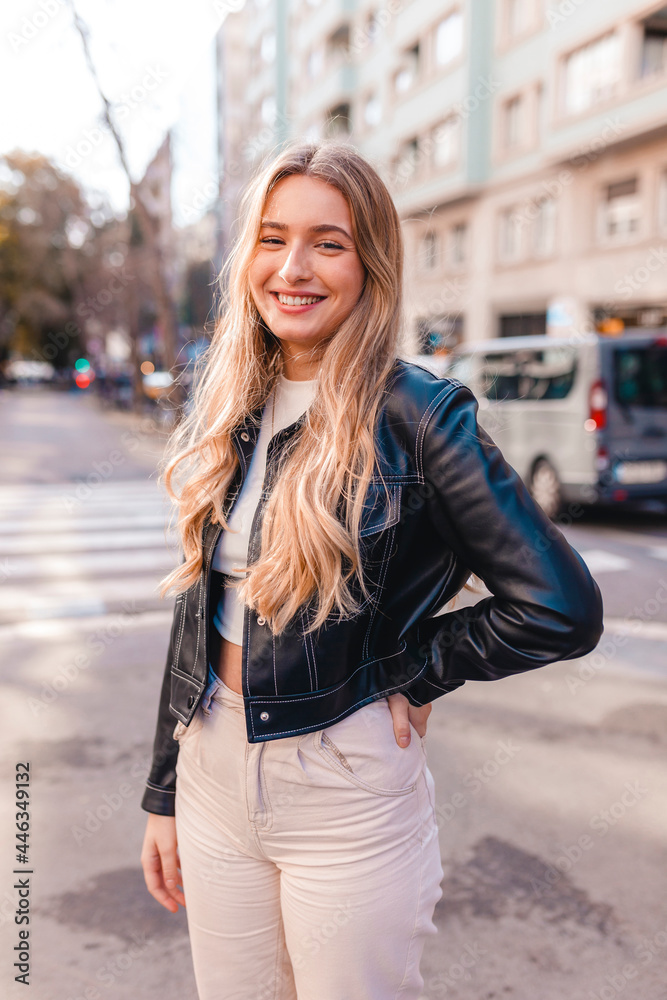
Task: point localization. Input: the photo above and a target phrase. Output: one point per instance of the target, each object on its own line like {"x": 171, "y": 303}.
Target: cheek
{"x": 348, "y": 282}
{"x": 259, "y": 273}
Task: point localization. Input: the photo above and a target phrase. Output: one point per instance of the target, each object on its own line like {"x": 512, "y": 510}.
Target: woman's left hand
{"x": 403, "y": 713}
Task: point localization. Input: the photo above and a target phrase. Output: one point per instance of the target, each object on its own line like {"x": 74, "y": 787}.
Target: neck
{"x": 299, "y": 367}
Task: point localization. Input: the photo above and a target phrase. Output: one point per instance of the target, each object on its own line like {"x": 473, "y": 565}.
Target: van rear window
{"x": 640, "y": 375}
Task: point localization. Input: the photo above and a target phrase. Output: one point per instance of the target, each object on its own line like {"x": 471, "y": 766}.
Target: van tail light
{"x": 597, "y": 406}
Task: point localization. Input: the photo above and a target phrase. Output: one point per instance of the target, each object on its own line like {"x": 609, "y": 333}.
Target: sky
{"x": 155, "y": 60}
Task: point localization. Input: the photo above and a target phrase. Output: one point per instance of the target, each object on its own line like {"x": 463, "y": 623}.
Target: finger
{"x": 155, "y": 883}
{"x": 154, "y": 876}
{"x": 398, "y": 706}
{"x": 171, "y": 874}
{"x": 418, "y": 717}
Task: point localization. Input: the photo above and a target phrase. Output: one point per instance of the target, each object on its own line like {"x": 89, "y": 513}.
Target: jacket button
{"x": 245, "y": 436}
{"x": 261, "y": 621}
{"x": 264, "y": 716}
{"x": 191, "y": 701}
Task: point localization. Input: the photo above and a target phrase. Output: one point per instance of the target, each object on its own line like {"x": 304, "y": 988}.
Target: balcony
{"x": 336, "y": 86}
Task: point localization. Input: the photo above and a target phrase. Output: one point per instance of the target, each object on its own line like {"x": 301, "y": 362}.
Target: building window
{"x": 429, "y": 251}
{"x": 449, "y": 38}
{"x": 315, "y": 62}
{"x": 372, "y": 110}
{"x": 267, "y": 49}
{"x": 338, "y": 121}
{"x": 662, "y": 202}
{"x": 513, "y": 122}
{"x": 523, "y": 325}
{"x": 591, "y": 74}
{"x": 446, "y": 141}
{"x": 407, "y": 160}
{"x": 509, "y": 235}
{"x": 438, "y": 334}
{"x": 372, "y": 28}
{"x": 338, "y": 44}
{"x": 517, "y": 17}
{"x": 268, "y": 110}
{"x": 544, "y": 227}
{"x": 620, "y": 211}
{"x": 407, "y": 74}
{"x": 654, "y": 44}
{"x": 457, "y": 244}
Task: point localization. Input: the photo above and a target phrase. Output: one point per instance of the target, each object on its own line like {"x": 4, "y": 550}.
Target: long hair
{"x": 310, "y": 528}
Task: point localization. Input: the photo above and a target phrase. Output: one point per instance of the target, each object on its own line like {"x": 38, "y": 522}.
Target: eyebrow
{"x": 323, "y": 227}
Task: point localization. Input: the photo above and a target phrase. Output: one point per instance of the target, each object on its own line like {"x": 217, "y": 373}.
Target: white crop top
{"x": 291, "y": 400}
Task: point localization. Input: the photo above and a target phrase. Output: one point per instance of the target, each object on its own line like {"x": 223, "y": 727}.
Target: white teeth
{"x": 298, "y": 300}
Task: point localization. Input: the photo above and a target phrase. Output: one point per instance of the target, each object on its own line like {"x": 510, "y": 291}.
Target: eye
{"x": 331, "y": 245}
{"x": 275, "y": 240}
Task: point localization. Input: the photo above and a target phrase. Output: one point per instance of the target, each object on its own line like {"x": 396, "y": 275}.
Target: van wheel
{"x": 545, "y": 488}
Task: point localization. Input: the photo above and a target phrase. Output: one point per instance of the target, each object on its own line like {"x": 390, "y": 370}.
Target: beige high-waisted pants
{"x": 310, "y": 864}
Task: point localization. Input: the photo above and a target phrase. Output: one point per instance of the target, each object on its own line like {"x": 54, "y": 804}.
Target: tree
{"x": 52, "y": 258}
{"x": 149, "y": 224}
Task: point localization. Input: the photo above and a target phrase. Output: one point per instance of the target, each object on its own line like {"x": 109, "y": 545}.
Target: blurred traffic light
{"x": 84, "y": 373}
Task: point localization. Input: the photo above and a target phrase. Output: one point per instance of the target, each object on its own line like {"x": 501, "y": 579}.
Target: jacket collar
{"x": 244, "y": 437}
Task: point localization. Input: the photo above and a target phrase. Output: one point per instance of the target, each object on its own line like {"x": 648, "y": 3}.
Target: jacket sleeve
{"x": 545, "y": 605}
{"x": 160, "y": 794}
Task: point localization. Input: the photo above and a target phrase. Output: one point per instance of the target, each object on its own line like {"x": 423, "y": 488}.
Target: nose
{"x": 296, "y": 266}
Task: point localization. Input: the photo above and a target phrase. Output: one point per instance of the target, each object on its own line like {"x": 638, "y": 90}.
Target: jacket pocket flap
{"x": 382, "y": 508}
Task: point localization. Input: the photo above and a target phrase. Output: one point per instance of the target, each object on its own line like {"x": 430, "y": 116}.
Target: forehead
{"x": 298, "y": 198}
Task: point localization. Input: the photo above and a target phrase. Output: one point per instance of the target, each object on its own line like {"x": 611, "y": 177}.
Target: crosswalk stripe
{"x": 72, "y": 551}
{"x": 129, "y": 520}
{"x": 85, "y": 563}
{"x": 69, "y": 597}
{"x": 601, "y": 561}
{"x": 109, "y": 485}
{"x": 85, "y": 541}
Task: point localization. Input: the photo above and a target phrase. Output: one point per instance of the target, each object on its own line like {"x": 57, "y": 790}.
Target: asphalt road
{"x": 551, "y": 792}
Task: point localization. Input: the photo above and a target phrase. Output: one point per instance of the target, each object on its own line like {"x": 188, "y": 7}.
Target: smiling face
{"x": 306, "y": 275}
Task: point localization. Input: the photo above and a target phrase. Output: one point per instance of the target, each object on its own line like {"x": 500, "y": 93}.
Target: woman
{"x": 331, "y": 499}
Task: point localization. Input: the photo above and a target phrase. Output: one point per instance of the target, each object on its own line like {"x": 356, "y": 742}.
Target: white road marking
{"x": 81, "y": 564}
{"x": 601, "y": 561}
{"x": 656, "y": 631}
{"x": 61, "y": 558}
{"x": 129, "y": 520}
{"x": 85, "y": 542}
{"x": 50, "y": 628}
{"x": 65, "y": 597}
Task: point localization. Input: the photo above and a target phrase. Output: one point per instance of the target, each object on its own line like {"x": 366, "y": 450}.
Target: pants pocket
{"x": 183, "y": 734}
{"x": 362, "y": 749}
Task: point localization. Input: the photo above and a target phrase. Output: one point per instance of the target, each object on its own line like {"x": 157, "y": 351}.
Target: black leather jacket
{"x": 455, "y": 507}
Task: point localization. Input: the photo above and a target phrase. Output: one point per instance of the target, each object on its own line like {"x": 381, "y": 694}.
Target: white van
{"x": 582, "y": 419}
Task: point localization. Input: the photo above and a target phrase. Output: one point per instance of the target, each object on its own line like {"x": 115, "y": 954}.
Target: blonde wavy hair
{"x": 310, "y": 528}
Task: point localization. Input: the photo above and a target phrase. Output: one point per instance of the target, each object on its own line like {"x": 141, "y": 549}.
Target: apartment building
{"x": 524, "y": 143}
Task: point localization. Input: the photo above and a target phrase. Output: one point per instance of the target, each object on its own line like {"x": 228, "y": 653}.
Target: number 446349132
{"x": 22, "y": 814}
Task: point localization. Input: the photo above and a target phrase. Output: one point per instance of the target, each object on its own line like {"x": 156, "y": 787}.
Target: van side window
{"x": 550, "y": 375}
{"x": 528, "y": 374}
{"x": 499, "y": 376}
